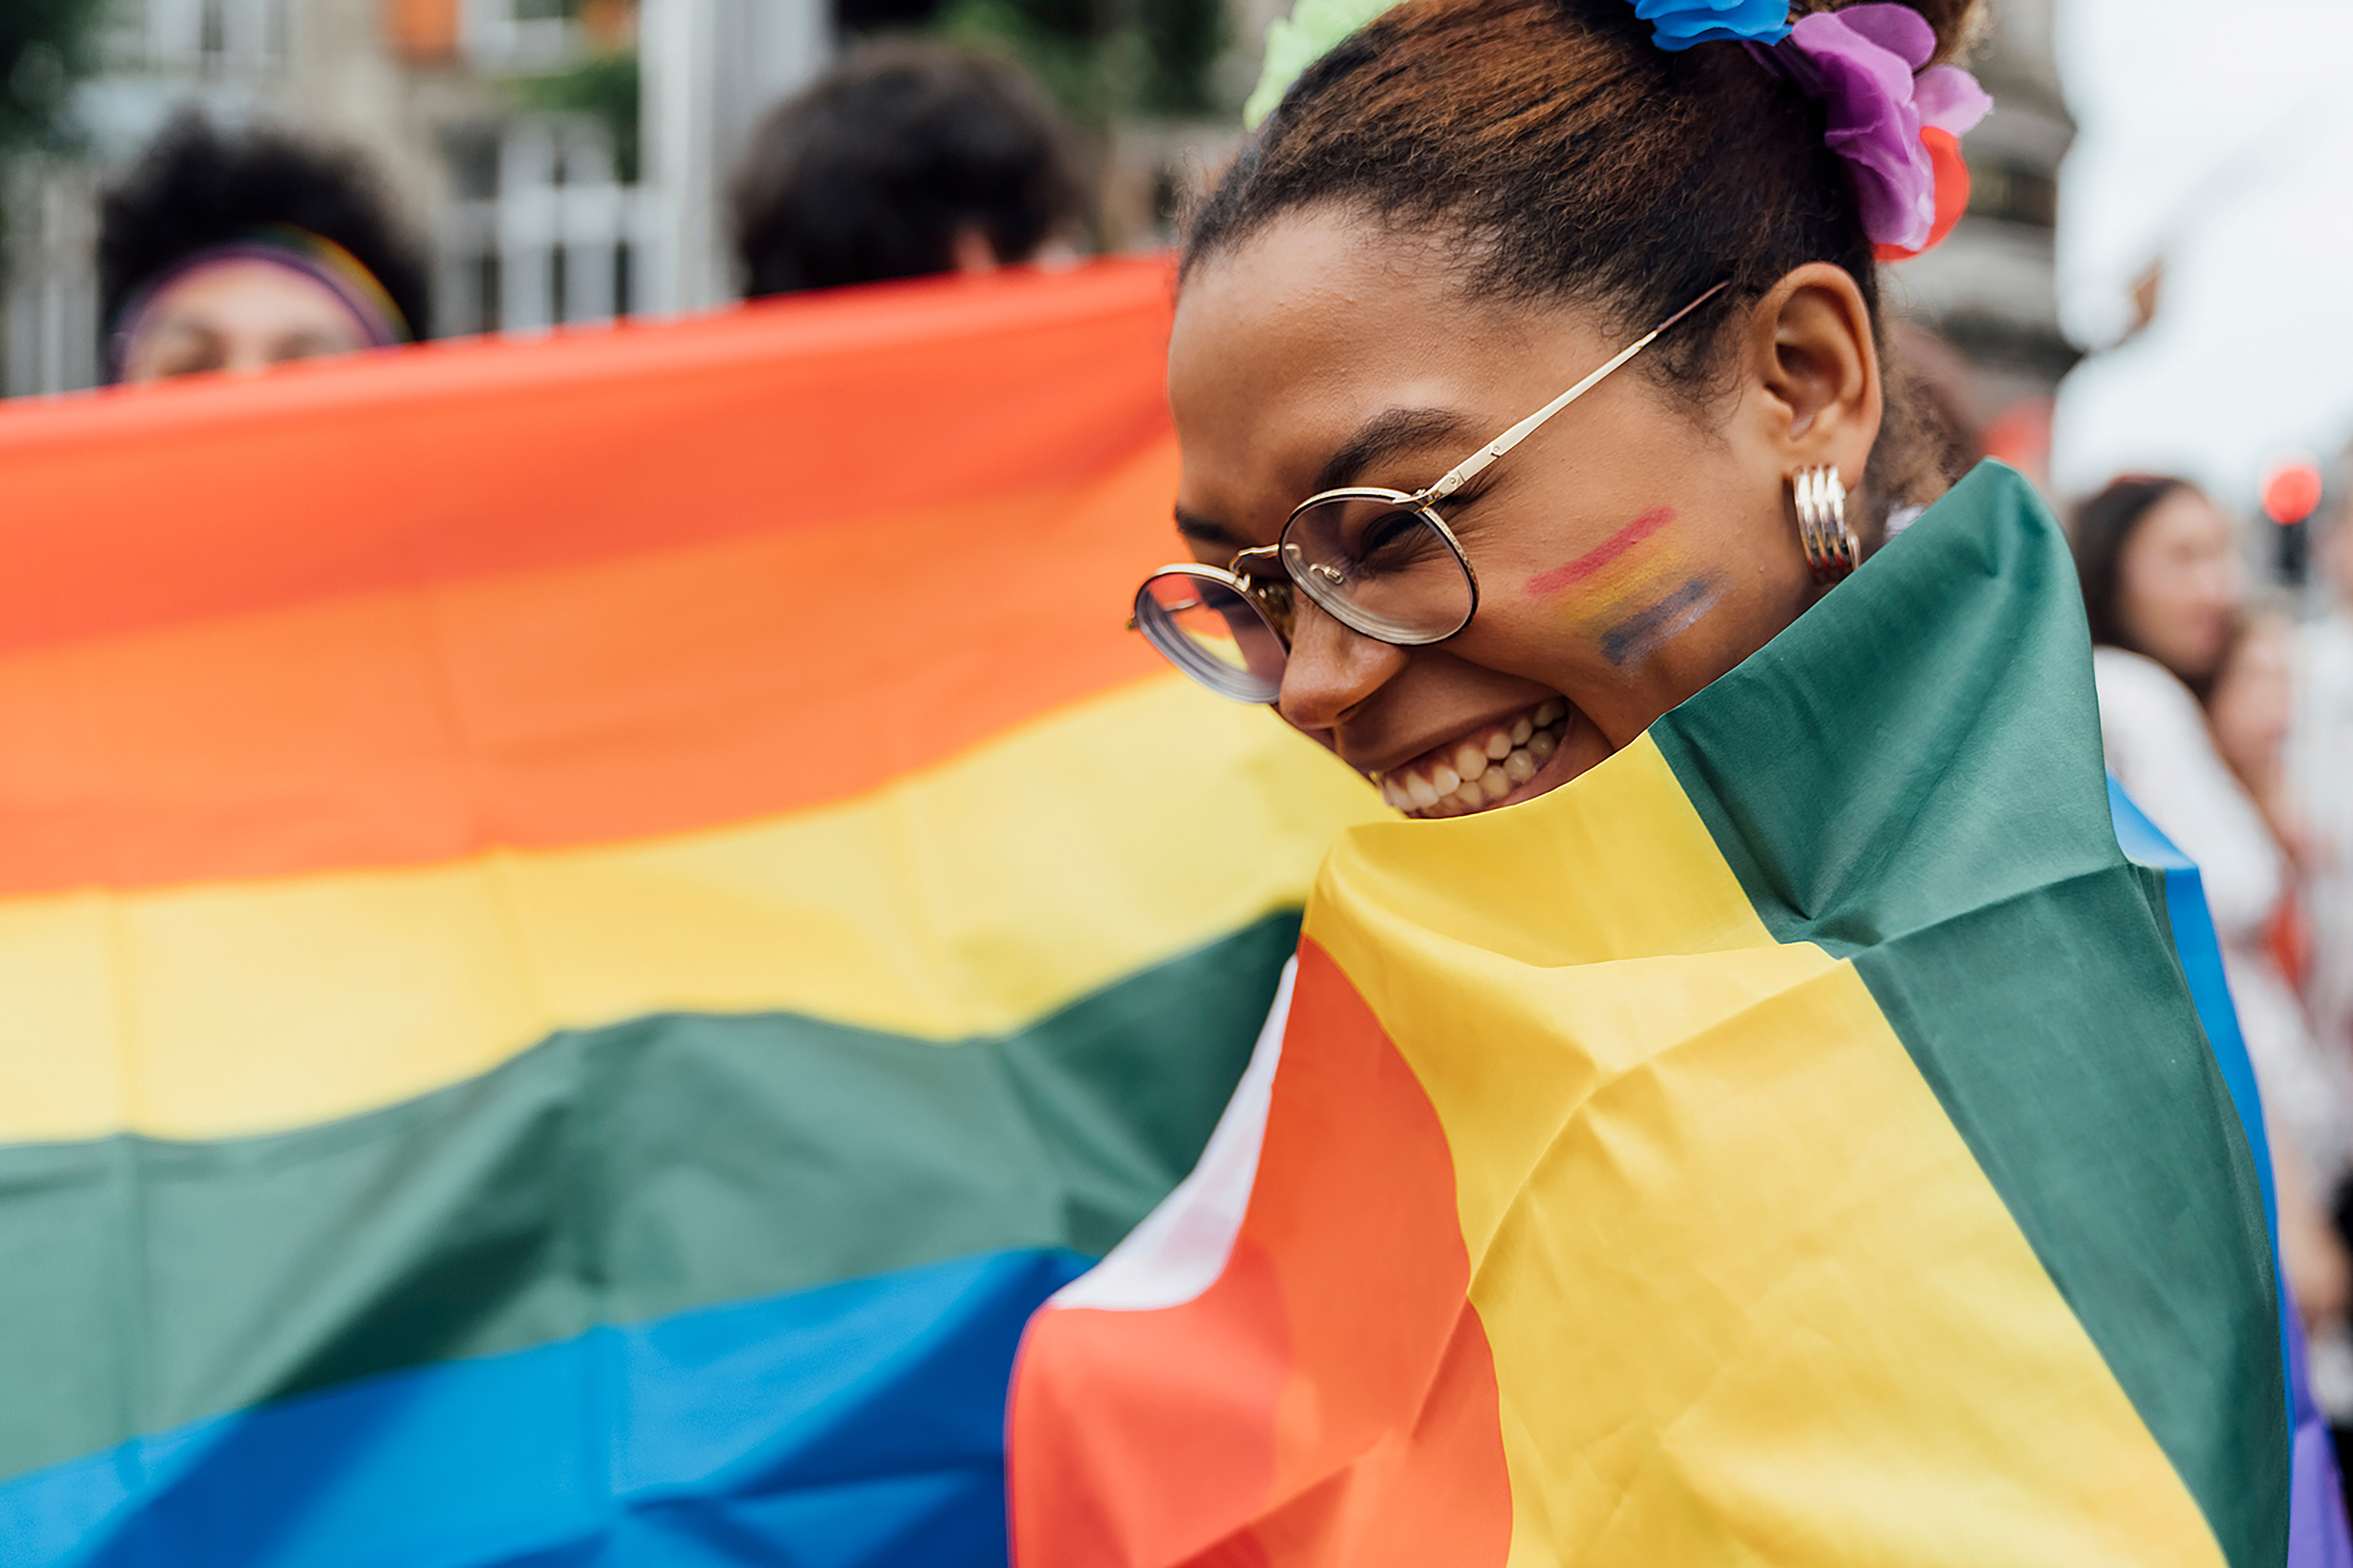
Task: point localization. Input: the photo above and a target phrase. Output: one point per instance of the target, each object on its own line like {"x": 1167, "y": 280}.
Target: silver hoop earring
{"x": 1831, "y": 549}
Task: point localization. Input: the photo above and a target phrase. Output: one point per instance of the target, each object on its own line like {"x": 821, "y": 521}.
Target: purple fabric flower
{"x": 1680, "y": 24}
{"x": 1863, "y": 62}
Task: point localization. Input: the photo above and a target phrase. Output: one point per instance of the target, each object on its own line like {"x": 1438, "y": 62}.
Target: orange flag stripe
{"x": 203, "y": 499}
{"x": 608, "y": 701}
{"x": 622, "y": 692}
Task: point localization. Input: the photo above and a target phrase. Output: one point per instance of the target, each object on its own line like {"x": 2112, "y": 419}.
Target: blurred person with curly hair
{"x": 239, "y": 250}
{"x": 904, "y": 160}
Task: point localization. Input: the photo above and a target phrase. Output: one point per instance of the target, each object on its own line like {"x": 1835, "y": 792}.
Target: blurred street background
{"x": 569, "y": 159}
{"x": 2167, "y": 200}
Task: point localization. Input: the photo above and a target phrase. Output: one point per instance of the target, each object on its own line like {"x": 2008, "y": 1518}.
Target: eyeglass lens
{"x": 1379, "y": 568}
{"x": 1214, "y": 634}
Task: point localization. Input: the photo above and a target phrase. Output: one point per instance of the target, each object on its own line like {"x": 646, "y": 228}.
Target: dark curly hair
{"x": 198, "y": 186}
{"x": 1581, "y": 163}
{"x": 871, "y": 172}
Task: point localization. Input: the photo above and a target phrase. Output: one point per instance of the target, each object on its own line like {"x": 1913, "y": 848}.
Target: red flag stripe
{"x": 1331, "y": 1397}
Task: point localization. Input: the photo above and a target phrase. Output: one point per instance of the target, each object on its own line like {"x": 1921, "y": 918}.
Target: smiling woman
{"x": 1463, "y": 208}
{"x": 1746, "y": 1108}
{"x": 1458, "y": 213}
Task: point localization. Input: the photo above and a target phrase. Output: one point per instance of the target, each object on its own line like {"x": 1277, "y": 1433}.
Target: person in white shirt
{"x": 2319, "y": 785}
{"x": 2163, "y": 588}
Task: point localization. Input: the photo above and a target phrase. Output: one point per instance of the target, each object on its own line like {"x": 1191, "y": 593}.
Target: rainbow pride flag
{"x": 586, "y": 927}
{"x": 1793, "y": 1143}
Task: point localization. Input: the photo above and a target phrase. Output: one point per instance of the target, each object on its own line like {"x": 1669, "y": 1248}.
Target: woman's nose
{"x": 1331, "y": 670}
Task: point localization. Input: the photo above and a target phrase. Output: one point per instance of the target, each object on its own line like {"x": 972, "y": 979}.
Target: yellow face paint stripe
{"x": 1749, "y": 1295}
{"x": 969, "y": 898}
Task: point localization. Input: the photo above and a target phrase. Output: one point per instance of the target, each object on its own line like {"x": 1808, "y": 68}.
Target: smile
{"x": 1480, "y": 768}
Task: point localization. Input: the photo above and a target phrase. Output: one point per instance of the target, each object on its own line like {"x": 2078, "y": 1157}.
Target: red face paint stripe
{"x": 1602, "y": 554}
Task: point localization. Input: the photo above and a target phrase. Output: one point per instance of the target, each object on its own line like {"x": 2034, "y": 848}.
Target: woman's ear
{"x": 1812, "y": 363}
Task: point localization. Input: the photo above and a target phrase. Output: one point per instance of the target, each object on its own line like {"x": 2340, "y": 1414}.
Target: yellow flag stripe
{"x": 1750, "y": 1297}
{"x": 966, "y": 899}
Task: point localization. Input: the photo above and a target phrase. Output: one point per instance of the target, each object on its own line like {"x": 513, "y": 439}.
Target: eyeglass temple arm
{"x": 1476, "y": 464}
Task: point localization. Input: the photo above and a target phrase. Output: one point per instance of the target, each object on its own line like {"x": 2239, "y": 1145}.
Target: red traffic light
{"x": 2291, "y": 487}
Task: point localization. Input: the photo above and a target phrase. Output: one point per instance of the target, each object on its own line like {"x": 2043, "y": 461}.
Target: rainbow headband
{"x": 1895, "y": 121}
{"x": 314, "y": 255}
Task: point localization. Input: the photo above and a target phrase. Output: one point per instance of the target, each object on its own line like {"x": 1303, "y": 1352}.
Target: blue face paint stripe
{"x": 1643, "y": 634}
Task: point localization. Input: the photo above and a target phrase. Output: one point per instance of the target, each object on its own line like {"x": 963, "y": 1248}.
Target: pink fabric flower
{"x": 1865, "y": 63}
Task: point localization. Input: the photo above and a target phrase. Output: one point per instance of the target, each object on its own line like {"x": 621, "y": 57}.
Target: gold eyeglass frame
{"x": 1271, "y": 595}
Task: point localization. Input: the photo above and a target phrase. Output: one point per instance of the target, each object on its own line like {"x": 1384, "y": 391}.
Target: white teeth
{"x": 1479, "y": 773}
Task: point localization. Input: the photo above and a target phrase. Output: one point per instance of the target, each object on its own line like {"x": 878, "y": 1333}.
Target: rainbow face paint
{"x": 1614, "y": 590}
{"x": 1602, "y": 556}
{"x": 1639, "y": 636}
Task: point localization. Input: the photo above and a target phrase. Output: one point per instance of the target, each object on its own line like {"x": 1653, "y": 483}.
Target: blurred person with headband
{"x": 906, "y": 159}
{"x": 237, "y": 251}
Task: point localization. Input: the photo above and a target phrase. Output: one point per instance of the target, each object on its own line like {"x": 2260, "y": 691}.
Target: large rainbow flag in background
{"x": 586, "y": 928}
{"x": 1793, "y": 1141}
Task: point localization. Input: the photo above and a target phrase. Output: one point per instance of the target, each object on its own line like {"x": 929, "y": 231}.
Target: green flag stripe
{"x": 1946, "y": 824}
{"x": 612, "y": 1175}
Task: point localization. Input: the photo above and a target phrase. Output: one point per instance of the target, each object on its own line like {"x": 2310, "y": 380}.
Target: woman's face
{"x": 1626, "y": 555}
{"x": 2254, "y": 700}
{"x": 2178, "y": 581}
{"x": 244, "y": 315}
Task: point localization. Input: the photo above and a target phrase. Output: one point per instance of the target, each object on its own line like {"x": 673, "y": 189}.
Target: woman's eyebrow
{"x": 1386, "y": 434}
{"x": 1391, "y": 431}
{"x": 1201, "y": 530}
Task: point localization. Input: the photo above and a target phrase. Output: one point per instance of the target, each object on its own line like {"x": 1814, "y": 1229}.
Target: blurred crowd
{"x": 2227, "y": 716}
{"x": 228, "y": 250}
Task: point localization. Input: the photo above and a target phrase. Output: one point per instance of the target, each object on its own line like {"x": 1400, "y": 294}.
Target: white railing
{"x": 241, "y": 39}
{"x": 51, "y": 303}
{"x": 499, "y": 35}
{"x": 560, "y": 242}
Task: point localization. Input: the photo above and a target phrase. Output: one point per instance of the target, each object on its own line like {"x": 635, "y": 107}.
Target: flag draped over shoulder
{"x": 586, "y": 927}
{"x": 1793, "y": 1141}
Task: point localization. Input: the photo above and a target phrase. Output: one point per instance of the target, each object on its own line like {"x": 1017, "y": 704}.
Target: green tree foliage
{"x": 1181, "y": 40}
{"x": 1104, "y": 59}
{"x": 605, "y": 87}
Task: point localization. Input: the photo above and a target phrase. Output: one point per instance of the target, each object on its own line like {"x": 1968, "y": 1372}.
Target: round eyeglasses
{"x": 1382, "y": 562}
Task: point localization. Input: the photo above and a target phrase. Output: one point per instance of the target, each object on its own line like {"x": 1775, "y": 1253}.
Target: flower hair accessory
{"x": 1680, "y": 24}
{"x": 1898, "y": 126}
{"x": 1896, "y": 121}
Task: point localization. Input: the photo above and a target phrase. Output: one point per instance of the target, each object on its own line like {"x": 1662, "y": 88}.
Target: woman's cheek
{"x": 1631, "y": 594}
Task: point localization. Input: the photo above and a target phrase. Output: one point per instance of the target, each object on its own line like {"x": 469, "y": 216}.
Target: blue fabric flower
{"x": 1680, "y": 24}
